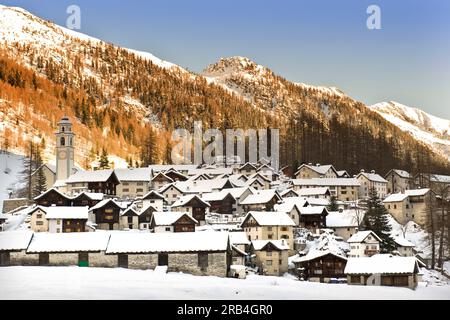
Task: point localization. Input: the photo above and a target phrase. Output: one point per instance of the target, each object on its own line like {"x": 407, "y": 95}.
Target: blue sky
{"x": 316, "y": 42}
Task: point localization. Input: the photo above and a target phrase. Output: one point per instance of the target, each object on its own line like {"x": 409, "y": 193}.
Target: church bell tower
{"x": 64, "y": 149}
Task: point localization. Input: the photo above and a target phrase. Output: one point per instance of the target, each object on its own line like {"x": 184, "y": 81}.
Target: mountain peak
{"x": 236, "y": 65}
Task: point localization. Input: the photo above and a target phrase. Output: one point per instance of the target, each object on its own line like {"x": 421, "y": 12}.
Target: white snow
{"x": 424, "y": 127}
{"x": 66, "y": 212}
{"x": 125, "y": 242}
{"x": 117, "y": 283}
{"x": 69, "y": 242}
{"x": 381, "y": 263}
{"x": 10, "y": 167}
{"x": 169, "y": 218}
{"x": 15, "y": 240}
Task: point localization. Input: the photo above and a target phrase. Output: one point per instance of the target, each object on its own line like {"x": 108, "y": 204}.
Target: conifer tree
{"x": 333, "y": 206}
{"x": 39, "y": 180}
{"x": 376, "y": 219}
{"x": 104, "y": 162}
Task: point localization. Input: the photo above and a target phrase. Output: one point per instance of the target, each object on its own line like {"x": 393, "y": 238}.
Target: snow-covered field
{"x": 99, "y": 283}
{"x": 10, "y": 167}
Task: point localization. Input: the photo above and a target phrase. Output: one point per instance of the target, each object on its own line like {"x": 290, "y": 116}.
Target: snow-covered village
{"x": 349, "y": 201}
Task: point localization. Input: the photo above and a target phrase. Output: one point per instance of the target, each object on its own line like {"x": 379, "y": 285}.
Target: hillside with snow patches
{"x": 424, "y": 127}
{"x": 271, "y": 95}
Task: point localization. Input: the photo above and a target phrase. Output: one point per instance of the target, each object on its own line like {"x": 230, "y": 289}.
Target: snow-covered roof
{"x": 202, "y": 186}
{"x": 15, "y": 240}
{"x": 267, "y": 218}
{"x": 130, "y": 242}
{"x": 169, "y": 218}
{"x": 396, "y": 197}
{"x": 402, "y": 242}
{"x": 98, "y": 196}
{"x": 371, "y": 176}
{"x": 279, "y": 244}
{"x": 313, "y": 210}
{"x": 134, "y": 174}
{"x": 69, "y": 242}
{"x": 417, "y": 192}
{"x": 153, "y": 194}
{"x": 440, "y": 178}
{"x": 313, "y": 191}
{"x": 320, "y": 169}
{"x": 103, "y": 203}
{"x": 239, "y": 237}
{"x": 401, "y": 173}
{"x": 314, "y": 254}
{"x": 51, "y": 190}
{"x": 287, "y": 191}
{"x": 130, "y": 210}
{"x": 210, "y": 171}
{"x": 66, "y": 212}
{"x": 317, "y": 201}
{"x": 215, "y": 196}
{"x": 178, "y": 167}
{"x": 326, "y": 182}
{"x": 60, "y": 183}
{"x": 360, "y": 236}
{"x": 162, "y": 174}
{"x": 261, "y": 197}
{"x": 90, "y": 176}
{"x": 289, "y": 203}
{"x": 238, "y": 192}
{"x": 342, "y": 173}
{"x": 184, "y": 200}
{"x": 382, "y": 264}
{"x": 340, "y": 219}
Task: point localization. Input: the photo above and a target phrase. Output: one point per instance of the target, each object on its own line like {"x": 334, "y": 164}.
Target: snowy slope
{"x": 18, "y": 25}
{"x": 10, "y": 167}
{"x": 432, "y": 130}
{"x": 119, "y": 283}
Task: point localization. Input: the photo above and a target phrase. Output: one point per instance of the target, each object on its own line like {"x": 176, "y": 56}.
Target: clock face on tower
{"x": 62, "y": 154}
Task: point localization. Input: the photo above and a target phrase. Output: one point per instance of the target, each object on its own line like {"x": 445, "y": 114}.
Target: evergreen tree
{"x": 333, "y": 206}
{"x": 104, "y": 163}
{"x": 149, "y": 150}
{"x": 25, "y": 190}
{"x": 39, "y": 180}
{"x": 376, "y": 219}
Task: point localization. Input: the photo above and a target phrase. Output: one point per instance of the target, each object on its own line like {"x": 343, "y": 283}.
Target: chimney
{"x": 318, "y": 164}
{"x": 373, "y": 171}
{"x": 362, "y": 170}
{"x": 310, "y": 164}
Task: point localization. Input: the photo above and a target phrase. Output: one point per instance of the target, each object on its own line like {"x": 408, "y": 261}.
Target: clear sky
{"x": 316, "y": 42}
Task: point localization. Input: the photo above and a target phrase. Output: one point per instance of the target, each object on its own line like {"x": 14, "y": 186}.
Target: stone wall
{"x": 63, "y": 259}
{"x": 101, "y": 260}
{"x": 142, "y": 261}
{"x": 188, "y": 262}
{"x": 23, "y": 259}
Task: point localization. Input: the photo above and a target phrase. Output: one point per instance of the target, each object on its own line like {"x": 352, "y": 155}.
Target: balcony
{"x": 370, "y": 252}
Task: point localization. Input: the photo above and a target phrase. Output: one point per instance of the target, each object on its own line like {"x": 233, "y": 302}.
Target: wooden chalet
{"x": 172, "y": 222}
{"x": 194, "y": 205}
{"x": 313, "y": 217}
{"x": 53, "y": 197}
{"x": 86, "y": 199}
{"x": 320, "y": 265}
{"x": 106, "y": 214}
{"x": 221, "y": 202}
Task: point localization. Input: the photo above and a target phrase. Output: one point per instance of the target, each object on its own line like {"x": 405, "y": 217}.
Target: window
{"x": 140, "y": 183}
{"x": 270, "y": 236}
{"x": 269, "y": 262}
{"x": 67, "y": 222}
{"x": 139, "y": 190}
{"x": 39, "y": 216}
{"x": 109, "y": 217}
{"x": 269, "y": 228}
{"x": 58, "y": 230}
{"x": 279, "y": 262}
{"x": 126, "y": 190}
{"x": 109, "y": 210}
{"x": 130, "y": 219}
{"x": 407, "y": 206}
{"x": 39, "y": 223}
{"x": 203, "y": 261}
{"x": 395, "y": 206}
{"x": 125, "y": 183}
{"x": 167, "y": 228}
{"x": 269, "y": 253}
{"x": 63, "y": 141}
{"x": 284, "y": 229}
{"x": 58, "y": 221}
